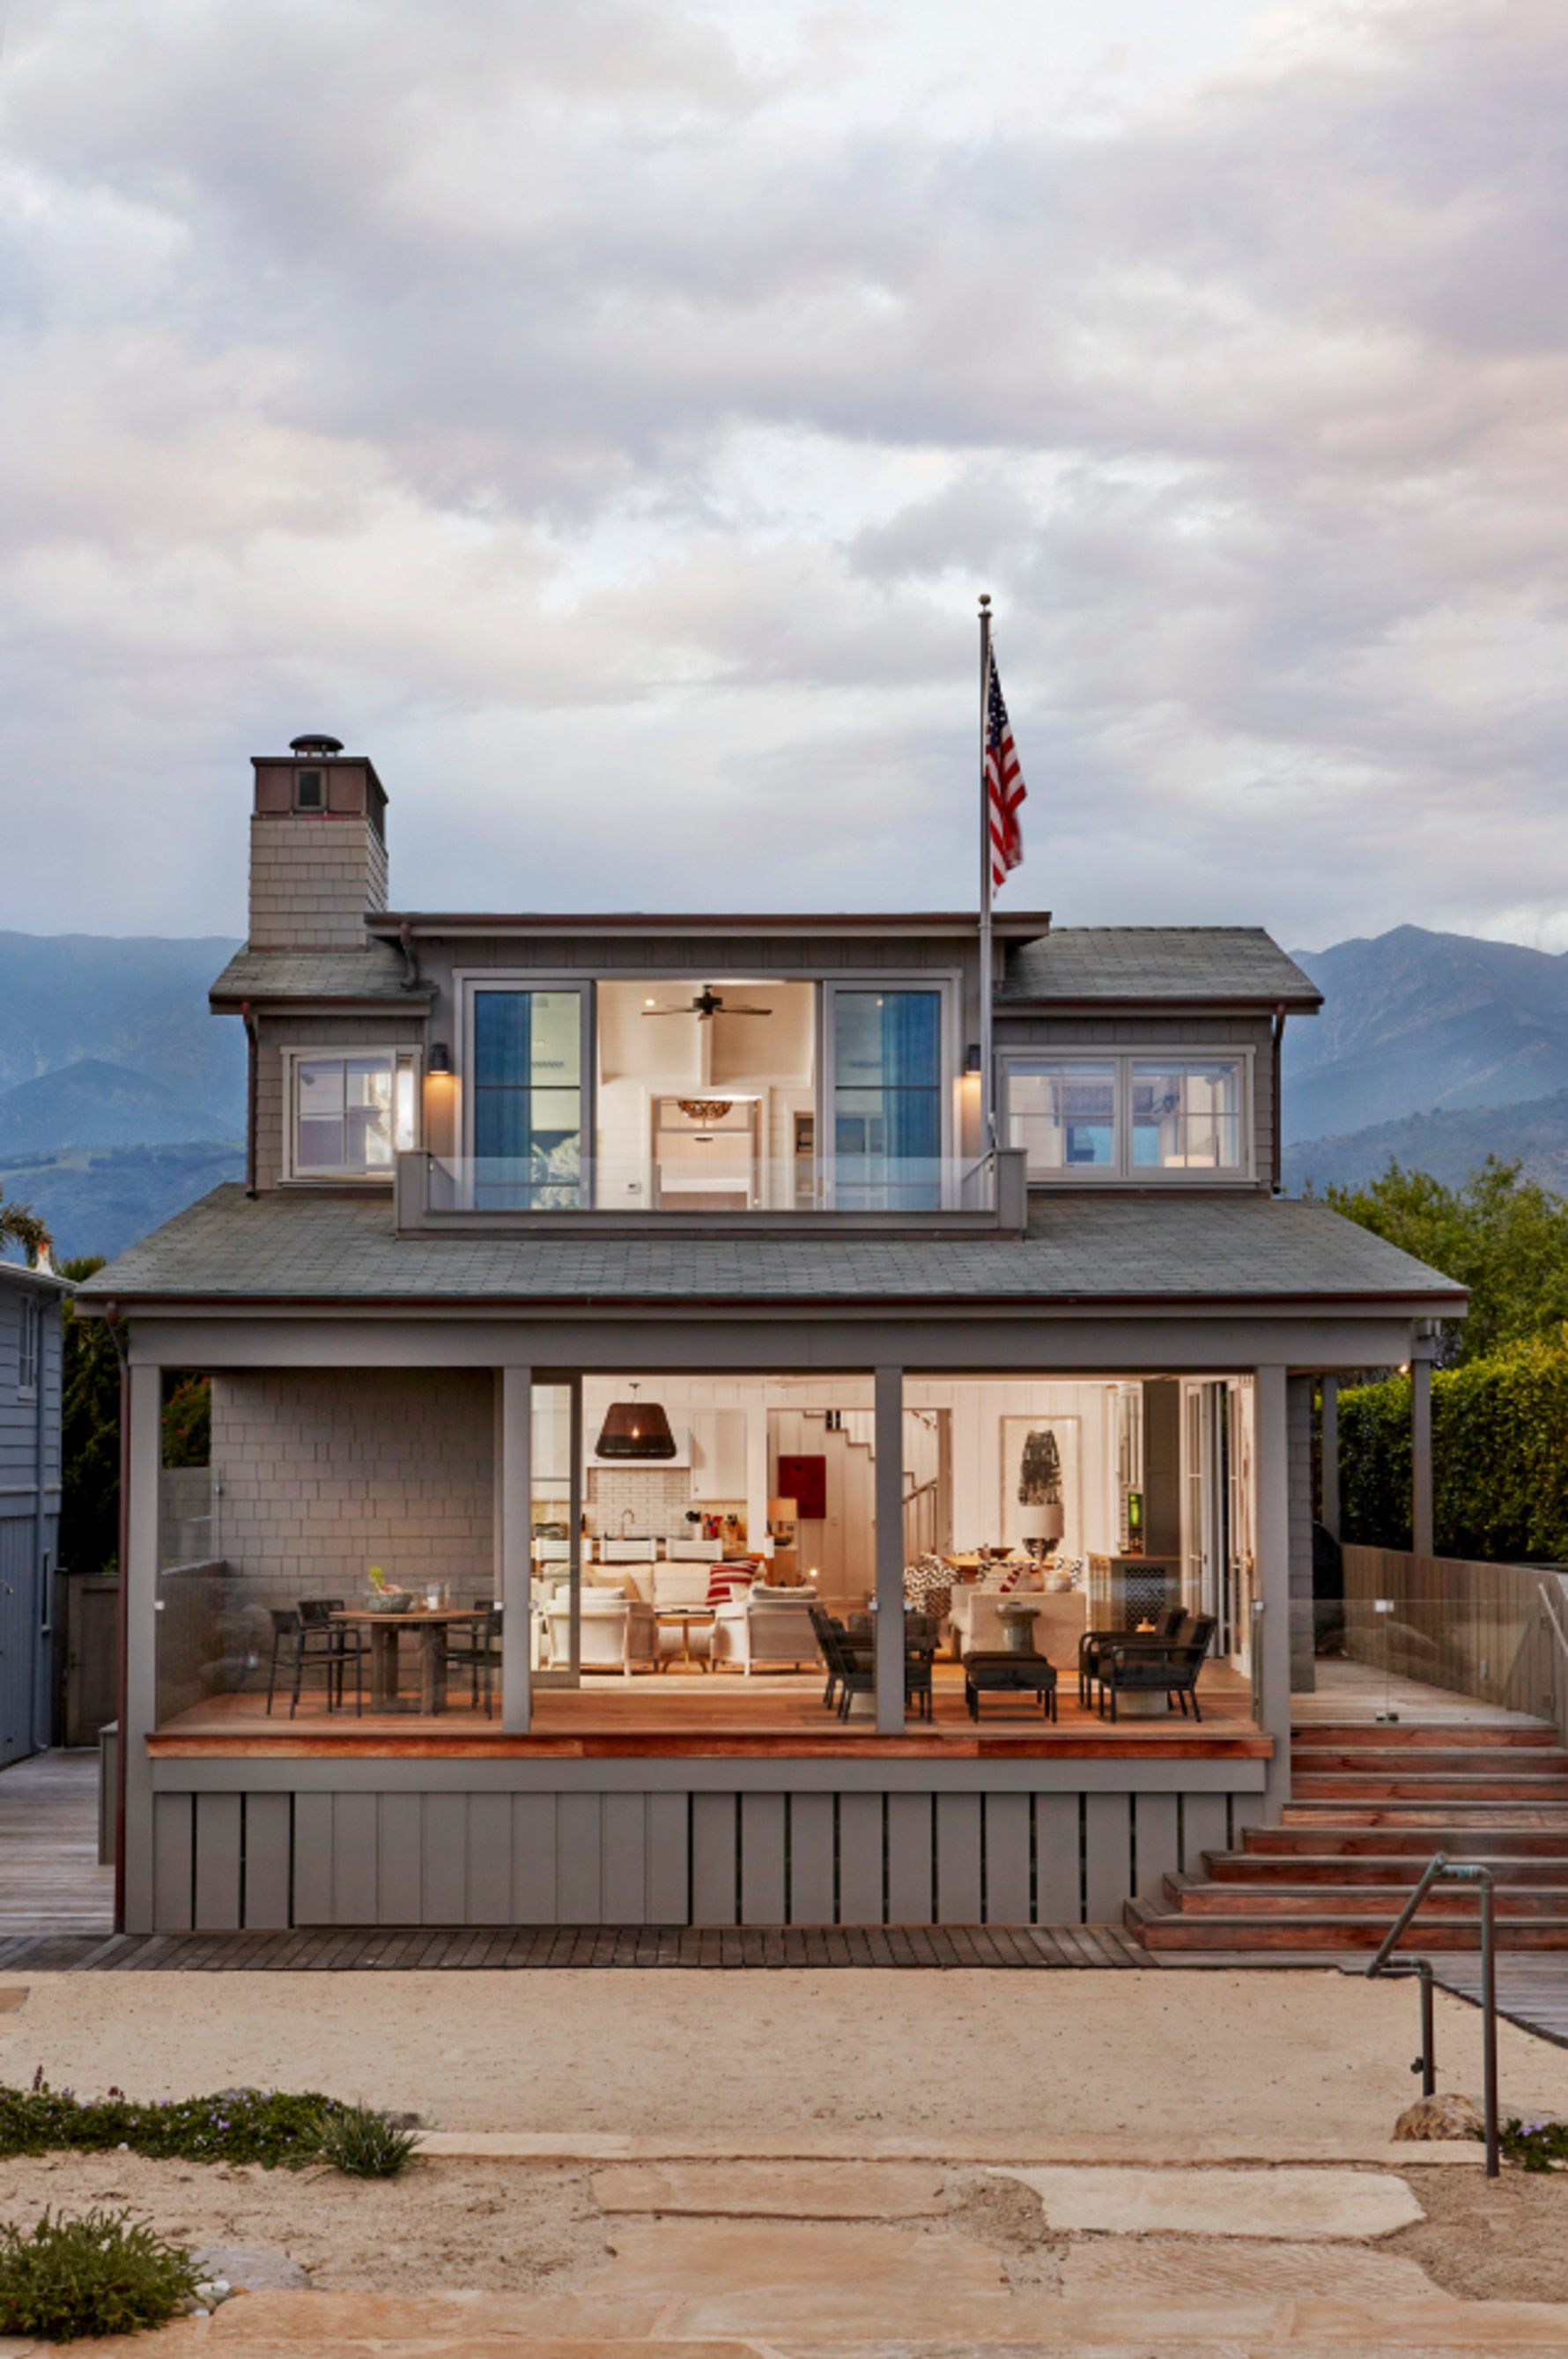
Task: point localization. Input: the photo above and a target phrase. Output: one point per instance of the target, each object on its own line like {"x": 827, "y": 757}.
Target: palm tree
{"x": 21, "y": 1227}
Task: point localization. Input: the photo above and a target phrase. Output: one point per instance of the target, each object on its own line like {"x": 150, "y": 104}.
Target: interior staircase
{"x": 1372, "y": 1804}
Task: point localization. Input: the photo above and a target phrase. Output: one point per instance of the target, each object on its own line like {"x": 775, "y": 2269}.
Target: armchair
{"x": 613, "y": 1633}
{"x": 768, "y": 1629}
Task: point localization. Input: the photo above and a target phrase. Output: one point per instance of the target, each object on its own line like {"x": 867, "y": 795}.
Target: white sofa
{"x": 768, "y": 1629}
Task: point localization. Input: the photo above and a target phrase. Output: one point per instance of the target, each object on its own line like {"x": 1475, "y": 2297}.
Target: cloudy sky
{"x": 606, "y": 414}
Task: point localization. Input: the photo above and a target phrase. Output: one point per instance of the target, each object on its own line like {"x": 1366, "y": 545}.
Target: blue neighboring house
{"x": 30, "y": 1371}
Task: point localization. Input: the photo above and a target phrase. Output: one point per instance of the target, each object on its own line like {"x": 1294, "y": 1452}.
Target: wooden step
{"x": 1381, "y": 1903}
{"x": 1431, "y": 1814}
{"x": 1431, "y": 1761}
{"x": 1251, "y": 1868}
{"x": 1337, "y": 1734}
{"x": 1160, "y": 1925}
{"x": 1369, "y": 1834}
{"x": 1400, "y": 1785}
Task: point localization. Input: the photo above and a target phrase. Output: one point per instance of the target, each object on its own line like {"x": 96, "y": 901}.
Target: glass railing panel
{"x": 1484, "y": 1642}
{"x": 725, "y": 1186}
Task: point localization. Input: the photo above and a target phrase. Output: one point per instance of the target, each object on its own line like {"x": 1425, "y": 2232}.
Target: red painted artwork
{"x": 804, "y": 1479}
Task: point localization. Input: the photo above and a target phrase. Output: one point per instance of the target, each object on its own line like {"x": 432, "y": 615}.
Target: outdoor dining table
{"x": 431, "y": 1623}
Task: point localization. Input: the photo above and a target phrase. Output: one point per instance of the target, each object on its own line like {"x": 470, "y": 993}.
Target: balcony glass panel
{"x": 863, "y": 1180}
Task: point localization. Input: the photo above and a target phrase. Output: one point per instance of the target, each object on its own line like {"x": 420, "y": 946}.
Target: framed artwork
{"x": 1040, "y": 1469}
{"x": 804, "y": 1479}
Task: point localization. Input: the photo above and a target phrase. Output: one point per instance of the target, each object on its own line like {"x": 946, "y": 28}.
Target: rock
{"x": 246, "y": 2272}
{"x": 1451, "y": 2117}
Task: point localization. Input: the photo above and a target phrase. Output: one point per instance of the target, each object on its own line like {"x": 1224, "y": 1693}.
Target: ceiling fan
{"x": 705, "y": 1005}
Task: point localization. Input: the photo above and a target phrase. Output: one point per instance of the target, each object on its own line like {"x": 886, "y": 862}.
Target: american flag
{"x": 1005, "y": 788}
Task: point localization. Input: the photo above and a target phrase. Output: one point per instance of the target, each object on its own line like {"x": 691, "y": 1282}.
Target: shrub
{"x": 1499, "y": 1458}
{"x": 1534, "y": 2146}
{"x": 102, "y": 2274}
{"x": 237, "y": 2126}
{"x": 367, "y": 2144}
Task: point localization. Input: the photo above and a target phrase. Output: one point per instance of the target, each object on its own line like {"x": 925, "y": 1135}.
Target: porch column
{"x": 1330, "y": 1451}
{"x": 888, "y": 1429}
{"x": 1420, "y": 1447}
{"x": 143, "y": 1407}
{"x": 514, "y": 1466}
{"x": 1271, "y": 1629}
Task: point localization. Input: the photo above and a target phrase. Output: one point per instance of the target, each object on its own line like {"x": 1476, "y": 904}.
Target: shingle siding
{"x": 311, "y": 881}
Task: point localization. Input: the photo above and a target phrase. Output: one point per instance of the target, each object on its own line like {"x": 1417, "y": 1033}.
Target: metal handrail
{"x": 1558, "y": 1631}
{"x": 1441, "y": 1869}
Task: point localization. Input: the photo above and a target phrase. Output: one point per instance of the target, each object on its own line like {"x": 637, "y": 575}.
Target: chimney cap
{"x": 315, "y": 744}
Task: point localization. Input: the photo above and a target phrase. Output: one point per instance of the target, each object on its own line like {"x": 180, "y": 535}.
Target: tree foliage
{"x": 90, "y": 1435}
{"x": 1499, "y": 1465}
{"x": 21, "y": 1227}
{"x": 1504, "y": 1237}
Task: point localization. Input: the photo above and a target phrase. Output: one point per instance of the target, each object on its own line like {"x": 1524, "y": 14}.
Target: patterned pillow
{"x": 928, "y": 1586}
{"x": 727, "y": 1581}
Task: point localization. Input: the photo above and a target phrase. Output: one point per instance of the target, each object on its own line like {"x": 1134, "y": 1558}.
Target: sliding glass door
{"x": 887, "y": 1099}
{"x": 527, "y": 1064}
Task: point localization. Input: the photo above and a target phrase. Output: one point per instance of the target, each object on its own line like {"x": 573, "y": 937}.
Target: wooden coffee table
{"x": 1010, "y": 1671}
{"x": 683, "y": 1617}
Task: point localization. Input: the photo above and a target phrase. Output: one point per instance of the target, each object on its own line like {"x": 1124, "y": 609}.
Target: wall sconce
{"x": 440, "y": 1065}
{"x": 972, "y": 1058}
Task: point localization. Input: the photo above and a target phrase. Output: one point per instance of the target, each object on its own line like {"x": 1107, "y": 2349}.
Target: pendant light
{"x": 636, "y": 1429}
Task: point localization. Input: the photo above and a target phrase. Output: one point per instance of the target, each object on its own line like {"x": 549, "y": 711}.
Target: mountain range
{"x": 122, "y": 1099}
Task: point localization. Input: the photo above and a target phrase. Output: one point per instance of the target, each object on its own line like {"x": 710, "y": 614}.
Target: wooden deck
{"x": 657, "y": 1716}
{"x": 51, "y": 1881}
{"x": 334, "y": 1949}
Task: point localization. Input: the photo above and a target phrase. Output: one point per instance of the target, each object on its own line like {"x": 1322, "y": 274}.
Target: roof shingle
{"x": 1143, "y": 963}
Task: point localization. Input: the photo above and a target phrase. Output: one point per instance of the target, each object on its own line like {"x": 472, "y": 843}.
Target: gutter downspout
{"x": 247, "y": 1019}
{"x": 411, "y": 962}
{"x": 112, "y": 1320}
{"x": 1278, "y": 1186}
{"x": 38, "y": 1707}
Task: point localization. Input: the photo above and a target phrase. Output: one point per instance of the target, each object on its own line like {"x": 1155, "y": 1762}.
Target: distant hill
{"x": 136, "y": 1001}
{"x": 1415, "y": 1022}
{"x": 1448, "y": 1145}
{"x": 96, "y": 1104}
{"x": 102, "y": 1203}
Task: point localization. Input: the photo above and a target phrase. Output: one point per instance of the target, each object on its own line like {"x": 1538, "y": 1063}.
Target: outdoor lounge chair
{"x": 1170, "y": 1671}
{"x": 1094, "y": 1644}
{"x": 852, "y": 1669}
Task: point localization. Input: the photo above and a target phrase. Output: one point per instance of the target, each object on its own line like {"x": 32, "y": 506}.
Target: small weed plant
{"x": 271, "y": 2127}
{"x": 367, "y": 2144}
{"x": 105, "y": 2273}
{"x": 1534, "y": 2146}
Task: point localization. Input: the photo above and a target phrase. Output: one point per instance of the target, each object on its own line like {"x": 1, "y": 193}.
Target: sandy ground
{"x": 1284, "y": 2059}
{"x": 1505, "y": 2241}
{"x": 458, "y": 2224}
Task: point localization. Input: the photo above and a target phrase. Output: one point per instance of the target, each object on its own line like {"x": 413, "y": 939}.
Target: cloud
{"x": 618, "y": 408}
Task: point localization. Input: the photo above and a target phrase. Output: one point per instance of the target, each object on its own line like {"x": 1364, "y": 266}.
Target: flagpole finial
{"x": 985, "y": 598}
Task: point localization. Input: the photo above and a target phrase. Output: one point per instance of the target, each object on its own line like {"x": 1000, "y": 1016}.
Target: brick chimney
{"x": 318, "y": 848}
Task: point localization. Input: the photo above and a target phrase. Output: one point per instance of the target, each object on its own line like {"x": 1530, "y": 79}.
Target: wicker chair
{"x": 1094, "y": 1645}
{"x": 1168, "y": 1670}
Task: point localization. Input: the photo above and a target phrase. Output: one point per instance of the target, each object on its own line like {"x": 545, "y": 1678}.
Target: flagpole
{"x": 988, "y": 1126}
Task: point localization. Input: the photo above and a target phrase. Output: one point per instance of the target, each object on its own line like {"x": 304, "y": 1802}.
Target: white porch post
{"x": 514, "y": 1468}
{"x": 888, "y": 1429}
{"x": 1330, "y": 1454}
{"x": 1271, "y": 1641}
{"x": 1421, "y": 1448}
{"x": 138, "y": 1717}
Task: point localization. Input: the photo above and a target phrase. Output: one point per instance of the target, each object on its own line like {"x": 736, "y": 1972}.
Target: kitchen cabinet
{"x": 718, "y": 1455}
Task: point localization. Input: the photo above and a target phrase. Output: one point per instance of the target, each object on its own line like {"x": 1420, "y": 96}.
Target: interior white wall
{"x": 643, "y": 1057}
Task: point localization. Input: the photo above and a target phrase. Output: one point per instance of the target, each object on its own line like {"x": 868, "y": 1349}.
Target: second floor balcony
{"x": 700, "y": 1192}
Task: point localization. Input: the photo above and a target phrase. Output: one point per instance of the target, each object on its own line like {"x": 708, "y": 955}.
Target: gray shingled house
{"x": 830, "y": 1476}
{"x": 29, "y": 1502}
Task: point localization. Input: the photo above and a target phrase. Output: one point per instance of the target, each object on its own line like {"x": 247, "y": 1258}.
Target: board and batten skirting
{"x": 361, "y": 1848}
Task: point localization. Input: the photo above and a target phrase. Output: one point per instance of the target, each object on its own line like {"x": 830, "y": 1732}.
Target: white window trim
{"x": 29, "y": 1332}
{"x": 1122, "y": 1172}
{"x": 467, "y": 982}
{"x": 298, "y": 1053}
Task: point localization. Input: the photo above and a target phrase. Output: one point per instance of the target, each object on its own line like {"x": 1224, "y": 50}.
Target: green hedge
{"x": 1500, "y": 1440}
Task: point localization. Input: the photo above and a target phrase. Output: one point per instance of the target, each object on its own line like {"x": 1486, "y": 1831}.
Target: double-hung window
{"x": 887, "y": 1099}
{"x": 351, "y": 1112}
{"x": 1128, "y": 1116}
{"x": 29, "y": 1343}
{"x": 526, "y": 1070}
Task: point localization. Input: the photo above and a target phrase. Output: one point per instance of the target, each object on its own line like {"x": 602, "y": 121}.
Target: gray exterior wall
{"x": 30, "y": 1519}
{"x": 1298, "y": 1412}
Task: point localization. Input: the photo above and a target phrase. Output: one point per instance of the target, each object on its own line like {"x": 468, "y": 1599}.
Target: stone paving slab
{"x": 1295, "y": 2206}
{"x": 1157, "y": 2268}
{"x": 952, "y": 2149}
{"x": 776, "y": 2191}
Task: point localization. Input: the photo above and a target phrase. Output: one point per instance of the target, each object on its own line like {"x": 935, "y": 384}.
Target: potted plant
{"x": 384, "y": 1598}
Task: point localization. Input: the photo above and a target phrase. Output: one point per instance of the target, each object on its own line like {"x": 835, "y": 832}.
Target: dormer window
{"x": 351, "y": 1112}
{"x": 309, "y": 791}
{"x": 1130, "y": 1117}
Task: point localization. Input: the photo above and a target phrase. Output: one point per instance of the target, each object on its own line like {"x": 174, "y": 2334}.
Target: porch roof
{"x": 1081, "y": 1251}
{"x": 1186, "y": 964}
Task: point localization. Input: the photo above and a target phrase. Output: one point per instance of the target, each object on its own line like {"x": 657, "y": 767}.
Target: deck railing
{"x": 1485, "y": 1631}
